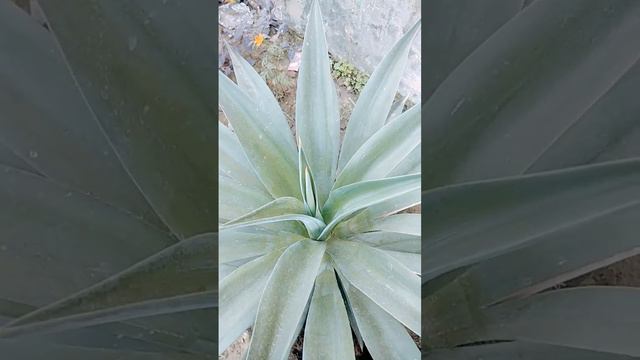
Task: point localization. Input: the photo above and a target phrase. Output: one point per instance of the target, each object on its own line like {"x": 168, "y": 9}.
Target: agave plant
{"x": 310, "y": 233}
{"x": 107, "y": 181}
{"x": 532, "y": 180}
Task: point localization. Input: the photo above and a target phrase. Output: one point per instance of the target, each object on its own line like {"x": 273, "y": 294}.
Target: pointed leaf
{"x": 279, "y": 316}
{"x": 133, "y": 310}
{"x": 317, "y": 109}
{"x": 411, "y": 164}
{"x": 384, "y": 336}
{"x": 240, "y": 294}
{"x": 186, "y": 267}
{"x": 233, "y": 162}
{"x": 384, "y": 279}
{"x": 401, "y": 223}
{"x": 374, "y": 103}
{"x": 327, "y": 334}
{"x": 383, "y": 150}
{"x": 349, "y": 199}
{"x": 279, "y": 206}
{"x": 273, "y": 158}
{"x": 246, "y": 243}
{"x": 256, "y": 89}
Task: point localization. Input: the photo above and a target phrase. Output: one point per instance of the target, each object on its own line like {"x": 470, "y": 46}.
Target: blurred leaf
{"x": 521, "y": 351}
{"x": 558, "y": 318}
{"x": 127, "y": 55}
{"x": 507, "y": 103}
{"x": 47, "y": 123}
{"x": 184, "y": 268}
{"x": 475, "y": 221}
{"x": 30, "y": 350}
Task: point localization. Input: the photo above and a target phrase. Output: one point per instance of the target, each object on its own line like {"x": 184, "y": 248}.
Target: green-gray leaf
{"x": 327, "y": 334}
{"x": 374, "y": 103}
{"x": 384, "y": 279}
{"x": 317, "y": 109}
{"x": 378, "y": 155}
{"x": 279, "y": 316}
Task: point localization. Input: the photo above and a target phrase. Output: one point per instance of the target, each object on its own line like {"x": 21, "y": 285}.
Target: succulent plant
{"x": 108, "y": 180}
{"x": 532, "y": 179}
{"x": 311, "y": 232}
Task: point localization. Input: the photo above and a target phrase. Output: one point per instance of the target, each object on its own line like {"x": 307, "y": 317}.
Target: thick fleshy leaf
{"x": 124, "y": 61}
{"x": 112, "y": 314}
{"x": 381, "y": 277}
{"x": 240, "y": 294}
{"x": 46, "y": 228}
{"x": 327, "y": 334}
{"x": 254, "y": 86}
{"x": 521, "y": 351}
{"x": 186, "y": 267}
{"x": 558, "y": 318}
{"x": 397, "y": 108}
{"x": 317, "y": 109}
{"x": 164, "y": 333}
{"x": 237, "y": 200}
{"x": 279, "y": 206}
{"x": 607, "y": 131}
{"x": 279, "y": 316}
{"x": 31, "y": 350}
{"x": 383, "y": 150}
{"x": 409, "y": 224}
{"x": 384, "y": 337}
{"x": 411, "y": 164}
{"x": 349, "y": 199}
{"x": 246, "y": 243}
{"x": 394, "y": 205}
{"x": 390, "y": 241}
{"x": 467, "y": 223}
{"x": 455, "y": 30}
{"x": 509, "y": 101}
{"x": 314, "y": 226}
{"x": 46, "y": 122}
{"x": 551, "y": 258}
{"x": 374, "y": 103}
{"x": 410, "y": 260}
{"x": 233, "y": 162}
{"x": 273, "y": 158}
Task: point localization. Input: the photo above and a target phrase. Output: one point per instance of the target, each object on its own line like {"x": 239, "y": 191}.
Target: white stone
{"x": 361, "y": 32}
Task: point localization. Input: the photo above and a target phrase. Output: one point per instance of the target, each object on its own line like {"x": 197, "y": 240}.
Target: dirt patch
{"x": 623, "y": 273}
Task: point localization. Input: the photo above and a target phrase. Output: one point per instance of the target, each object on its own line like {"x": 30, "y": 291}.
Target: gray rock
{"x": 361, "y": 32}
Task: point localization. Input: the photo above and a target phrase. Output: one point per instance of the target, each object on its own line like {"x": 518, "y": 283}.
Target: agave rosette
{"x": 310, "y": 228}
